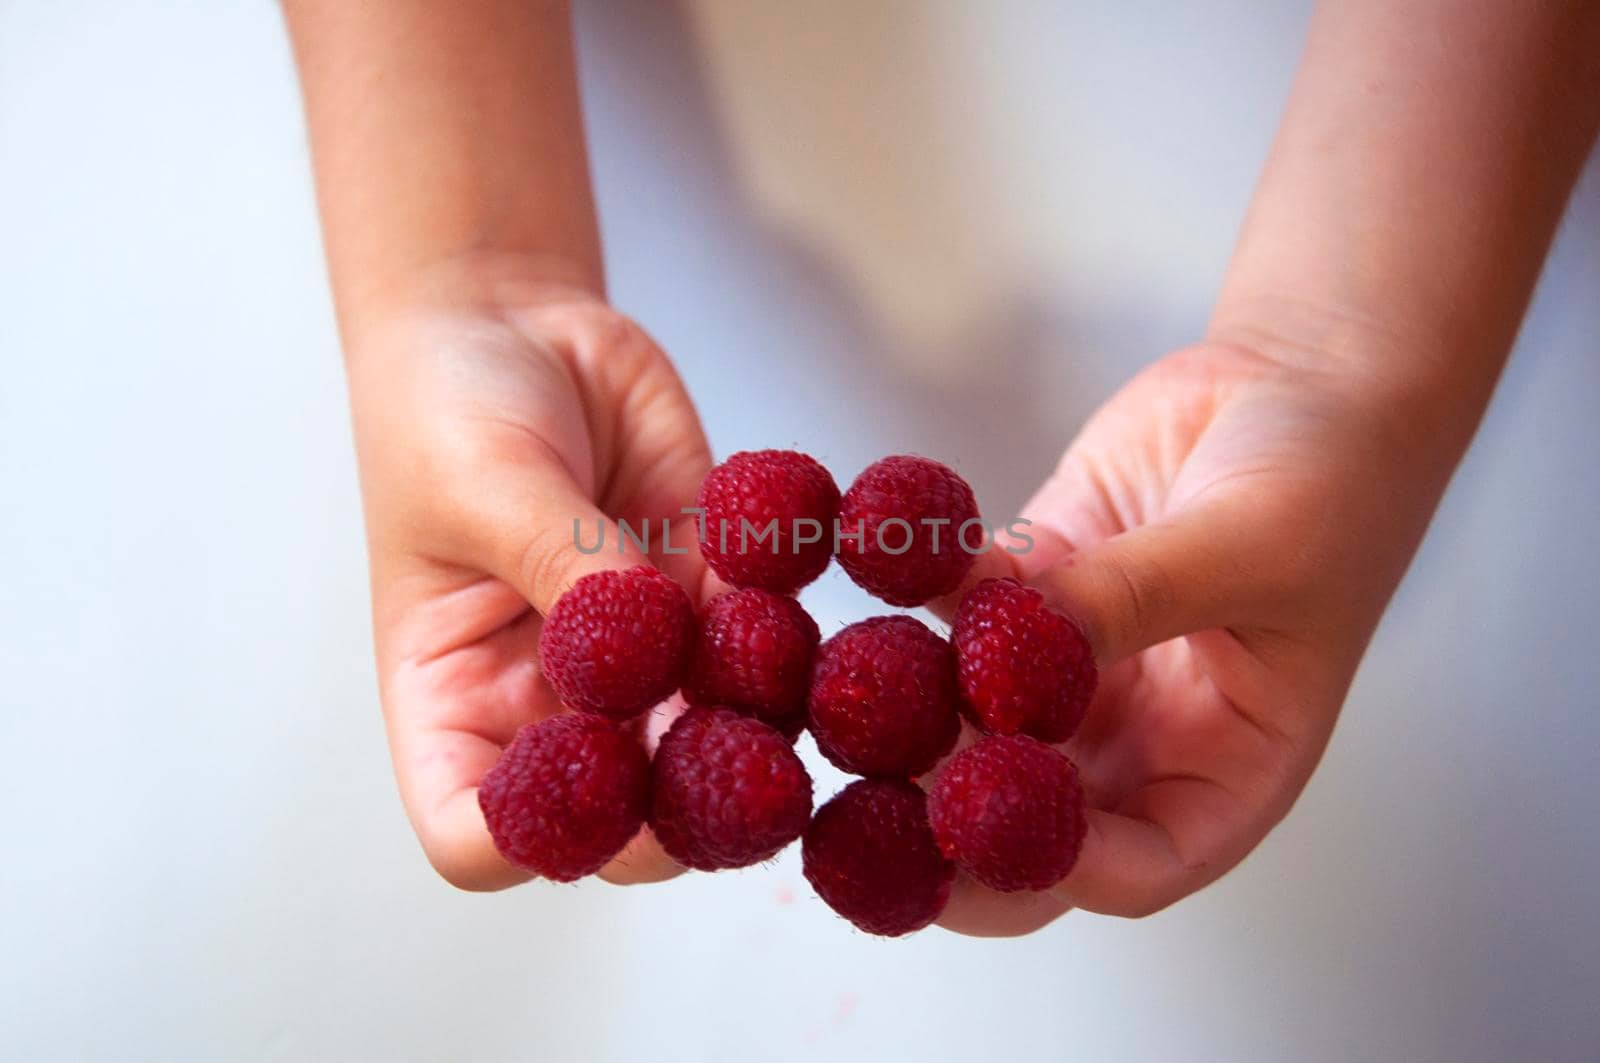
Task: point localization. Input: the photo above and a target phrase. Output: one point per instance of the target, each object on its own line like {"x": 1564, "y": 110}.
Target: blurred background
{"x": 861, "y": 228}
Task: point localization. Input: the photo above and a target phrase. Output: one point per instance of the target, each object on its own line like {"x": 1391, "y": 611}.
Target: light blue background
{"x": 860, "y": 229}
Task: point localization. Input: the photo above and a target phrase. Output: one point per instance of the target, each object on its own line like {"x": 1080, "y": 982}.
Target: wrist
{"x": 473, "y": 283}
{"x": 1423, "y": 394}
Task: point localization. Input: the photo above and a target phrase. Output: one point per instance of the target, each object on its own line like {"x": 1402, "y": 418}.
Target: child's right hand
{"x": 490, "y": 411}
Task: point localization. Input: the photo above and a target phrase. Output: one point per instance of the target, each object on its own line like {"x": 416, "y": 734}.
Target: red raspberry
{"x": 884, "y": 544}
{"x": 1023, "y": 667}
{"x": 617, "y": 643}
{"x": 754, "y": 655}
{"x": 883, "y": 697}
{"x": 566, "y": 795}
{"x": 757, "y": 488}
{"x": 1010, "y": 811}
{"x": 728, "y": 791}
{"x": 870, "y": 854}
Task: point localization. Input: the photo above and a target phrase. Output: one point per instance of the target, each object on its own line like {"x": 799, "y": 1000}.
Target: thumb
{"x": 534, "y": 528}
{"x": 1197, "y": 571}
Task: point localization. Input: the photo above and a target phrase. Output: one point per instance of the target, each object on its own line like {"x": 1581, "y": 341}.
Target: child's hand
{"x": 489, "y": 414}
{"x": 1266, "y": 513}
{"x": 1263, "y": 496}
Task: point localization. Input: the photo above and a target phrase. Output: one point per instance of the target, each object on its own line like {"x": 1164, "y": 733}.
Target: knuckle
{"x": 1145, "y": 592}
{"x": 599, "y": 332}
{"x": 620, "y": 332}
{"x": 491, "y": 445}
{"x": 544, "y": 563}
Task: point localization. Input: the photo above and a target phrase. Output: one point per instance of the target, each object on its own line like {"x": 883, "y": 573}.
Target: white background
{"x": 860, "y": 229}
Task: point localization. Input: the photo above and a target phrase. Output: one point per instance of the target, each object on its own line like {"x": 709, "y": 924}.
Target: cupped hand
{"x": 1227, "y": 530}
{"x": 492, "y": 411}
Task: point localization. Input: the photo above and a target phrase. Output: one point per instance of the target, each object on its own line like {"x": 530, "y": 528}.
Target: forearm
{"x": 443, "y": 131}
{"x": 1420, "y": 171}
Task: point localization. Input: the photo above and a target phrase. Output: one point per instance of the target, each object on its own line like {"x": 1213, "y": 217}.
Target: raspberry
{"x": 891, "y": 552}
{"x": 1023, "y": 667}
{"x": 883, "y": 697}
{"x": 1010, "y": 811}
{"x": 728, "y": 791}
{"x": 754, "y": 655}
{"x": 757, "y": 490}
{"x": 617, "y": 643}
{"x": 870, "y": 854}
{"x": 566, "y": 796}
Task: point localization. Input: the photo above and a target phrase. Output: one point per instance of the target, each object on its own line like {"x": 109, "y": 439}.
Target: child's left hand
{"x": 491, "y": 412}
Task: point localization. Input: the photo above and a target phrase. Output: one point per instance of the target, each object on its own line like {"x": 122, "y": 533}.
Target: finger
{"x": 658, "y": 499}
{"x": 978, "y": 911}
{"x": 662, "y": 455}
{"x": 438, "y": 768}
{"x": 1166, "y": 841}
{"x": 460, "y": 848}
{"x": 1016, "y": 551}
{"x": 456, "y": 839}
{"x": 642, "y": 860}
{"x": 538, "y": 531}
{"x": 1127, "y": 867}
{"x": 677, "y": 553}
{"x": 1157, "y": 582}
{"x": 993, "y": 563}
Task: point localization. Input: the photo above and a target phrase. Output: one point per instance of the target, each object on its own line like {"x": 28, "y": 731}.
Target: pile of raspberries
{"x": 883, "y": 699}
